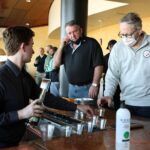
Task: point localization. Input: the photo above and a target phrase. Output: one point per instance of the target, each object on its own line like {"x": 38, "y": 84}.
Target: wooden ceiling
{"x": 20, "y": 12}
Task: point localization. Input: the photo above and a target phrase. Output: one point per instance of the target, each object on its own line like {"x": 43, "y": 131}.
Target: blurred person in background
{"x": 48, "y": 61}
{"x": 51, "y": 72}
{"x": 39, "y": 64}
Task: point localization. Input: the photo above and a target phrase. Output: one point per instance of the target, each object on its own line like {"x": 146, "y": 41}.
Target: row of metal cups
{"x": 47, "y": 129}
{"x": 96, "y": 122}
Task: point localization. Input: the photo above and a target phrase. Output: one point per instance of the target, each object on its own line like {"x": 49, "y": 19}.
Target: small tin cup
{"x": 68, "y": 131}
{"x": 80, "y": 127}
{"x": 90, "y": 126}
{"x": 102, "y": 124}
{"x": 101, "y": 112}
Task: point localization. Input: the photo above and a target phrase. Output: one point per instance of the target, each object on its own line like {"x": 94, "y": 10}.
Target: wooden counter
{"x": 100, "y": 140}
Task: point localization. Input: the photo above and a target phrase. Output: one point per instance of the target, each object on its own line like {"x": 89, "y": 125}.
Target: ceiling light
{"x": 28, "y": 1}
{"x": 94, "y": 7}
{"x": 27, "y": 24}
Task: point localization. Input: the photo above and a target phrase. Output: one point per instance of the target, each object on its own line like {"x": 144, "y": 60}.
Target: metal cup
{"x": 80, "y": 128}
{"x": 90, "y": 127}
{"x": 77, "y": 114}
{"x": 43, "y": 129}
{"x": 47, "y": 131}
{"x": 102, "y": 124}
{"x": 68, "y": 131}
{"x": 50, "y": 131}
{"x": 101, "y": 112}
{"x": 95, "y": 120}
{"x": 82, "y": 115}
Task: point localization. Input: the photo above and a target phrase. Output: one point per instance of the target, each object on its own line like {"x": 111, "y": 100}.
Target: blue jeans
{"x": 54, "y": 88}
{"x": 143, "y": 111}
{"x": 76, "y": 91}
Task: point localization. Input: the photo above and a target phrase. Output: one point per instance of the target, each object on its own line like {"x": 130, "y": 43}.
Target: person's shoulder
{"x": 27, "y": 74}
{"x": 66, "y": 48}
{"x": 3, "y": 67}
{"x": 47, "y": 57}
{"x": 119, "y": 44}
{"x": 90, "y": 39}
{"x": 37, "y": 57}
{"x": 147, "y": 36}
{"x": 118, "y": 49}
{"x": 3, "y": 70}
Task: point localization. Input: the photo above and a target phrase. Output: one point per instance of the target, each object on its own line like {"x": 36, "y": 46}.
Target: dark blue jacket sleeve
{"x": 59, "y": 103}
{"x": 6, "y": 117}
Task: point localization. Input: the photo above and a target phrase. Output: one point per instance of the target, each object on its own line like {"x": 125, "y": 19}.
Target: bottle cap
{"x": 122, "y": 105}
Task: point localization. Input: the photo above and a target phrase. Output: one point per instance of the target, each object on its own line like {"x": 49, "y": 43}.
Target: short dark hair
{"x": 72, "y": 23}
{"x": 50, "y": 46}
{"x": 111, "y": 43}
{"x": 132, "y": 18}
{"x": 14, "y": 36}
{"x": 55, "y": 48}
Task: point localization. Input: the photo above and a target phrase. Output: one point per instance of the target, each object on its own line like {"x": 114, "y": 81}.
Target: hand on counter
{"x": 33, "y": 109}
{"x": 105, "y": 100}
{"x": 93, "y": 91}
{"x": 86, "y": 109}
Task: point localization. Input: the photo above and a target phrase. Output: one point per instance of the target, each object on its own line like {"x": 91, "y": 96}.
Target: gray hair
{"x": 132, "y": 18}
{"x": 72, "y": 23}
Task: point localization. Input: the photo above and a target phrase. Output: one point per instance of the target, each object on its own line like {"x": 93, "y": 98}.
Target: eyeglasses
{"x": 126, "y": 35}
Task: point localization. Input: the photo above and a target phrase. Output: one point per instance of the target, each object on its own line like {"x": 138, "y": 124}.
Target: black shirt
{"x": 54, "y": 75}
{"x": 40, "y": 64}
{"x": 80, "y": 64}
{"x": 106, "y": 57}
{"x": 16, "y": 88}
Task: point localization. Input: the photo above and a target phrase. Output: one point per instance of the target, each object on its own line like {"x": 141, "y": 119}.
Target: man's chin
{"x": 27, "y": 61}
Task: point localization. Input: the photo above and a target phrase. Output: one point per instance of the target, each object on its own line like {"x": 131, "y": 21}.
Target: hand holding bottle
{"x": 33, "y": 109}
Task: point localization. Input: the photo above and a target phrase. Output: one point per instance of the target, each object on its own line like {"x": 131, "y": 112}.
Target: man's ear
{"x": 22, "y": 46}
{"x": 81, "y": 30}
{"x": 141, "y": 32}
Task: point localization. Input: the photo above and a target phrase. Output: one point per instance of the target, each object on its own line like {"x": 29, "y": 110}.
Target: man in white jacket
{"x": 129, "y": 66}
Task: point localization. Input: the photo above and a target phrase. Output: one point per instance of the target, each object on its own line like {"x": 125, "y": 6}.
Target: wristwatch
{"x": 94, "y": 84}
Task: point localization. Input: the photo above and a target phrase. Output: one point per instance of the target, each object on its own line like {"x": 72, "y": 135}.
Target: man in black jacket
{"x": 17, "y": 87}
